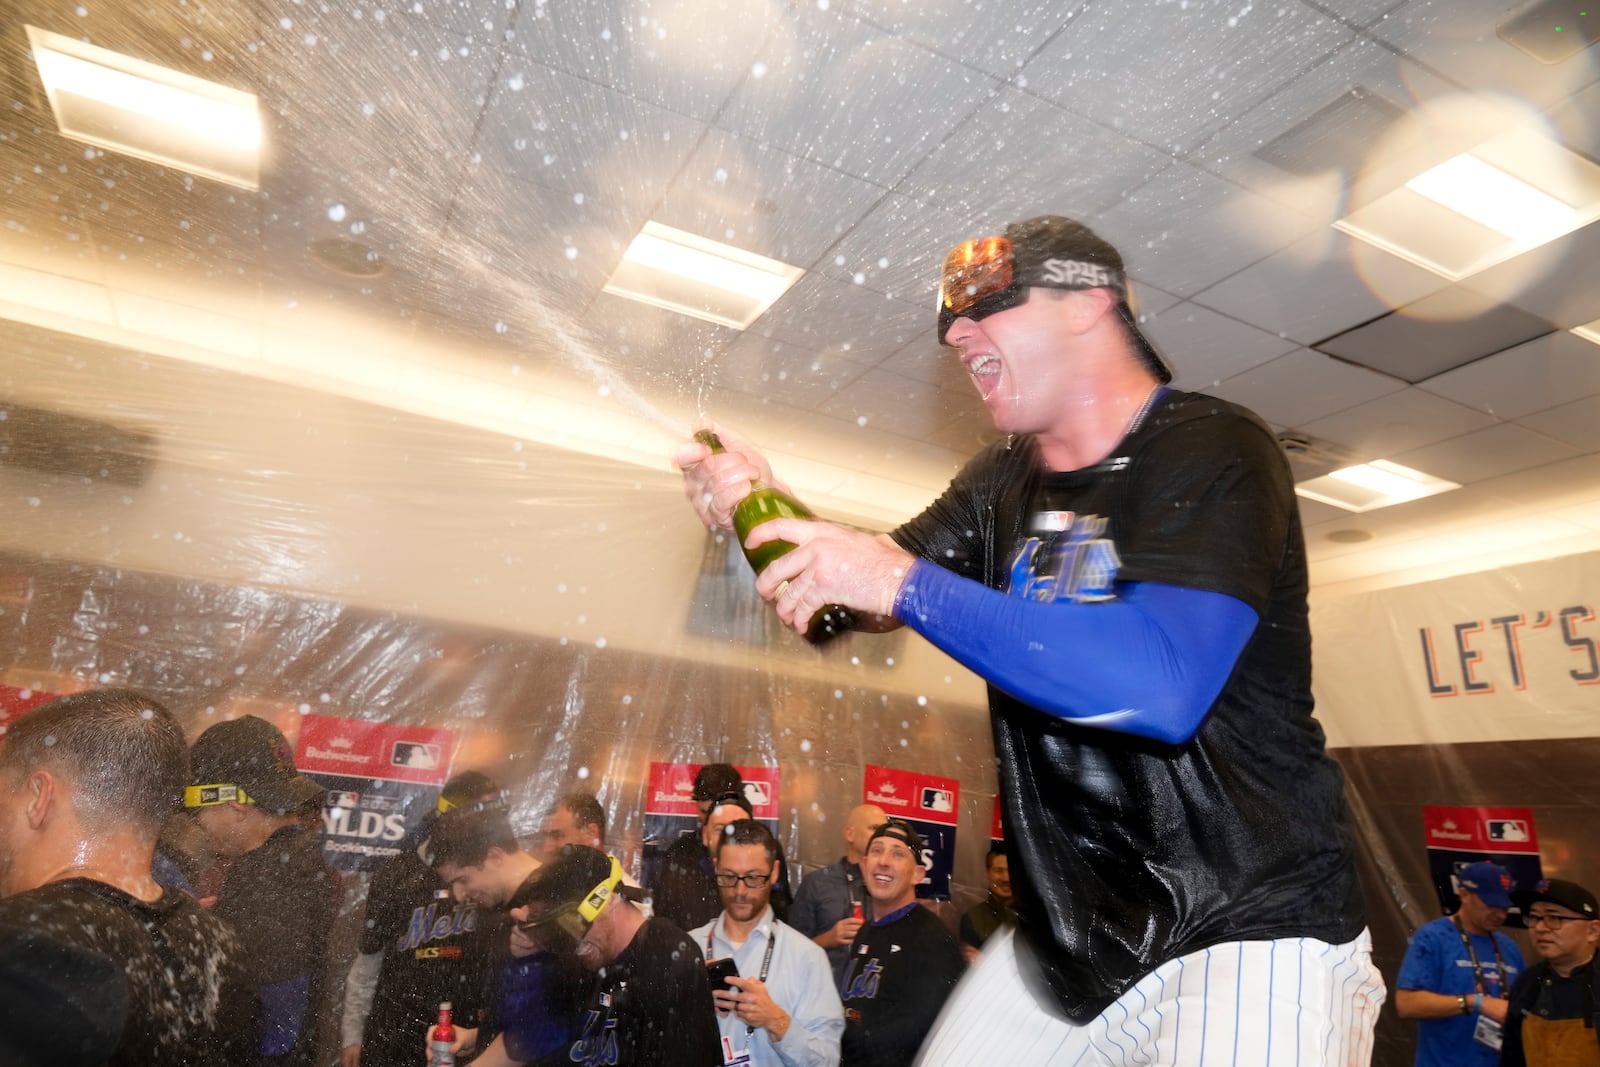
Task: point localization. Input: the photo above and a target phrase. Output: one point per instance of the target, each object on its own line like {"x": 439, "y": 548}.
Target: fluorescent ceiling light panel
{"x": 1506, "y": 196}
{"x": 1488, "y": 195}
{"x": 1589, "y": 331}
{"x": 1369, "y": 486}
{"x": 140, "y": 109}
{"x": 696, "y": 276}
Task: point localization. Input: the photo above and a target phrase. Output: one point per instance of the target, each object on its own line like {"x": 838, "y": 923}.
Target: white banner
{"x": 1503, "y": 654}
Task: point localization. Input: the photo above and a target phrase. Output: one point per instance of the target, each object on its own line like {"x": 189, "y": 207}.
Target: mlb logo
{"x": 415, "y": 754}
{"x": 1508, "y": 830}
{"x": 757, "y": 794}
{"x": 938, "y": 799}
{"x": 343, "y": 799}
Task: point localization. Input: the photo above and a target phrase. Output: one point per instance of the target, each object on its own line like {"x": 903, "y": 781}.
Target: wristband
{"x": 1478, "y": 1007}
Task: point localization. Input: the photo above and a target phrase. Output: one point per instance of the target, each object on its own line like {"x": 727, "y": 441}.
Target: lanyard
{"x": 1477, "y": 968}
{"x": 766, "y": 962}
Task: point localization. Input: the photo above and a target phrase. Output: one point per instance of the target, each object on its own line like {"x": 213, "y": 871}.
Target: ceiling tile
{"x": 764, "y": 200}
{"x": 897, "y": 249}
{"x": 997, "y": 42}
{"x": 782, "y": 373}
{"x": 1577, "y": 423}
{"x": 1397, "y": 422}
{"x": 553, "y": 129}
{"x": 1541, "y": 374}
{"x": 1572, "y": 120}
{"x": 1208, "y": 229}
{"x": 1183, "y": 74}
{"x": 1321, "y": 285}
{"x": 636, "y": 349}
{"x": 1204, "y": 347}
{"x": 1458, "y": 39}
{"x": 1487, "y": 453}
{"x": 888, "y": 402}
{"x": 1293, "y": 390}
{"x": 1555, "y": 281}
{"x": 1430, "y": 336}
{"x": 1018, "y": 156}
{"x": 926, "y": 360}
{"x": 823, "y": 312}
{"x": 1361, "y": 65}
{"x": 685, "y": 57}
{"x": 808, "y": 97}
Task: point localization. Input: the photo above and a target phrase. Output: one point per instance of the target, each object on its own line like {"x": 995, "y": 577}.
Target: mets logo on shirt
{"x": 1074, "y": 561}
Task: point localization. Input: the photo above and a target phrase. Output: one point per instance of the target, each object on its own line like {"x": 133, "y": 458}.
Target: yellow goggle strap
{"x": 600, "y": 895}
{"x": 205, "y": 796}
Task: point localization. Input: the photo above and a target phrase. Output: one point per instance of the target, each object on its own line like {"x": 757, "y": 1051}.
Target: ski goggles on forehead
{"x": 978, "y": 279}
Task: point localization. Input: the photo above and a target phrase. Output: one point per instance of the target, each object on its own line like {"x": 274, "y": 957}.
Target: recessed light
{"x": 696, "y": 276}
{"x": 347, "y": 256}
{"x": 1368, "y": 486}
{"x": 1349, "y": 537}
{"x": 1464, "y": 214}
{"x": 140, "y": 109}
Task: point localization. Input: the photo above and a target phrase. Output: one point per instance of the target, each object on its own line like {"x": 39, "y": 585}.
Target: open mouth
{"x": 985, "y": 372}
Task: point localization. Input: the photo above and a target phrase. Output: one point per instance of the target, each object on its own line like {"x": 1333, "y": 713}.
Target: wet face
{"x": 1016, "y": 361}
{"x": 1478, "y": 916}
{"x": 12, "y": 826}
{"x": 561, "y": 829}
{"x": 1563, "y": 937}
{"x": 718, "y": 821}
{"x": 224, "y": 828}
{"x": 743, "y": 902}
{"x": 892, "y": 872}
{"x": 999, "y": 873}
{"x": 478, "y": 885}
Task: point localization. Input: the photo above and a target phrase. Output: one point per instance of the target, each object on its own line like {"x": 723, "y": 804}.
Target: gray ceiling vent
{"x": 1312, "y": 457}
{"x": 1552, "y": 30}
{"x": 1336, "y": 138}
{"x": 55, "y": 443}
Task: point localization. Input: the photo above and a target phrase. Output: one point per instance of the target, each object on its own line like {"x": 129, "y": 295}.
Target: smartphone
{"x": 719, "y": 971}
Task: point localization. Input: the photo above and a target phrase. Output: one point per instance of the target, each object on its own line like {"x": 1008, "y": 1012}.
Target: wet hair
{"x": 997, "y": 850}
{"x": 585, "y": 810}
{"x": 463, "y": 838}
{"x": 122, "y": 753}
{"x": 737, "y": 799}
{"x": 748, "y": 832}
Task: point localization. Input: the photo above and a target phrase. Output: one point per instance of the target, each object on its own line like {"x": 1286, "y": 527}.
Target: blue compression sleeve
{"x": 1148, "y": 663}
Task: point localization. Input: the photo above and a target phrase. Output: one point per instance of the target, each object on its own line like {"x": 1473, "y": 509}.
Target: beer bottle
{"x": 766, "y": 502}
{"x": 444, "y": 1036}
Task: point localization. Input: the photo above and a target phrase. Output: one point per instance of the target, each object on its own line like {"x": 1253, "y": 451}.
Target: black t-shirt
{"x": 431, "y": 954}
{"x": 1132, "y": 852}
{"x": 900, "y": 973}
{"x": 651, "y": 1006}
{"x": 189, "y": 1004}
{"x": 280, "y": 900}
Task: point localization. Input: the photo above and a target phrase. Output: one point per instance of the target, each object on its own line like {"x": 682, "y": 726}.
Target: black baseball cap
{"x": 715, "y": 779}
{"x": 1562, "y": 893}
{"x": 990, "y": 274}
{"x": 246, "y": 759}
{"x": 901, "y": 831}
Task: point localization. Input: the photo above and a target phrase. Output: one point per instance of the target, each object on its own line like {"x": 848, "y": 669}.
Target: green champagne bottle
{"x": 763, "y": 503}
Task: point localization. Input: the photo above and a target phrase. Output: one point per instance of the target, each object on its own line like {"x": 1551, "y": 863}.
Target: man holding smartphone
{"x": 773, "y": 987}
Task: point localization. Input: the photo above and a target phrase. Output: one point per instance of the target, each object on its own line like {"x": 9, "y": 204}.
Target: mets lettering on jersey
{"x": 428, "y": 925}
{"x": 598, "y": 1045}
{"x": 1079, "y": 565}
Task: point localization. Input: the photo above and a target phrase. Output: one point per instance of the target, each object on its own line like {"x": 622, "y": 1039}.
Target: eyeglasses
{"x": 727, "y": 879}
{"x": 977, "y": 280}
{"x": 1555, "y": 922}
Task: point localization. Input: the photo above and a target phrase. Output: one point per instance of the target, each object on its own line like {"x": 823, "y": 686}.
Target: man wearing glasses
{"x": 779, "y": 1007}
{"x": 650, "y": 1002}
{"x": 1552, "y": 1018}
{"x": 1126, "y": 569}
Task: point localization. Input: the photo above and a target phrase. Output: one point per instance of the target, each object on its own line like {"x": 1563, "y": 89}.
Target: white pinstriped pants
{"x": 1296, "y": 1002}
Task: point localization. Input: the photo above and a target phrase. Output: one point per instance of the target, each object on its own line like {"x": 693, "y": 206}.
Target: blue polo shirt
{"x": 1437, "y": 962}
